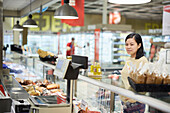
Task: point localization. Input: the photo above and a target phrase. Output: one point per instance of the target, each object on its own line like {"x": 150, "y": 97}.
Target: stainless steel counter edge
{"x": 46, "y": 64}
{"x": 158, "y": 104}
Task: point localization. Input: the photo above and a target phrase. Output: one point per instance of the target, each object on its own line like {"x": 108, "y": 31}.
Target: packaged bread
{"x": 133, "y": 76}
{"x": 158, "y": 79}
{"x": 140, "y": 78}
{"x": 166, "y": 80}
{"x": 53, "y": 86}
{"x": 150, "y": 78}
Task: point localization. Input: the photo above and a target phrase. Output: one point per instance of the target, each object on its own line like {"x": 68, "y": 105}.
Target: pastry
{"x": 19, "y": 80}
{"x": 34, "y": 93}
{"x": 55, "y": 90}
{"x": 53, "y": 86}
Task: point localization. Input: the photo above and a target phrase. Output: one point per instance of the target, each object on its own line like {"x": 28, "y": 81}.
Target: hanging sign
{"x": 96, "y": 46}
{"x": 114, "y": 17}
{"x": 166, "y": 20}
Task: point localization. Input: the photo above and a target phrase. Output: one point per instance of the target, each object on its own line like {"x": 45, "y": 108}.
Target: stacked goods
{"x": 38, "y": 87}
{"x": 150, "y": 74}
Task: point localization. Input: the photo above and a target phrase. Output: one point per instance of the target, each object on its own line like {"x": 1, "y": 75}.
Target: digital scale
{"x": 68, "y": 70}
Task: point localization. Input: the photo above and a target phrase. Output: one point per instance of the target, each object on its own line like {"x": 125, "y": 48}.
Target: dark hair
{"x": 72, "y": 38}
{"x": 138, "y": 39}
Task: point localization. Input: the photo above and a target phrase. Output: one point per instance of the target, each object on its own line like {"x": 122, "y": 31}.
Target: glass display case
{"x": 36, "y": 79}
{"x": 102, "y": 94}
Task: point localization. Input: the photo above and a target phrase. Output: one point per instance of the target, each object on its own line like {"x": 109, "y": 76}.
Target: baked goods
{"x": 34, "y": 93}
{"x": 43, "y": 54}
{"x": 150, "y": 78}
{"x": 38, "y": 87}
{"x": 53, "y": 86}
{"x": 27, "y": 82}
{"x": 140, "y": 79}
{"x": 159, "y": 79}
{"x": 55, "y": 90}
{"x": 167, "y": 80}
{"x": 19, "y": 80}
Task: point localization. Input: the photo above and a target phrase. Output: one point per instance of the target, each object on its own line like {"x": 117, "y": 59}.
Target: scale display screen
{"x": 61, "y": 67}
{"x": 59, "y": 64}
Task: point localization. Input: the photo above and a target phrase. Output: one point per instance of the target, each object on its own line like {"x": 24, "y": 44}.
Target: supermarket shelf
{"x": 160, "y": 105}
{"x": 118, "y": 49}
{"x": 119, "y": 43}
{"x": 118, "y": 38}
{"x": 118, "y": 54}
{"x": 111, "y": 68}
{"x": 118, "y": 60}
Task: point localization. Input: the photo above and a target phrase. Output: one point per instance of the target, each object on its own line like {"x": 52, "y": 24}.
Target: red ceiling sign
{"x": 167, "y": 9}
{"x": 114, "y": 18}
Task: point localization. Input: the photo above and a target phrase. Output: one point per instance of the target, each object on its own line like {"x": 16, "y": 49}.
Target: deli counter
{"x": 100, "y": 94}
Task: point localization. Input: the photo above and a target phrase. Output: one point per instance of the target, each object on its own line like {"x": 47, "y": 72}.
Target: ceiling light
{"x": 66, "y": 11}
{"x": 129, "y": 1}
{"x": 17, "y": 27}
{"x": 30, "y": 22}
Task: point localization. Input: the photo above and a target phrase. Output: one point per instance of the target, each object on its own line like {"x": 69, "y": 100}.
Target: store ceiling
{"x": 152, "y": 10}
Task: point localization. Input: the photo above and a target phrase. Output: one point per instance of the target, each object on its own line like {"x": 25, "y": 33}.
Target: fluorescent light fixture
{"x": 66, "y": 12}
{"x": 30, "y": 22}
{"x": 129, "y": 1}
{"x": 17, "y": 27}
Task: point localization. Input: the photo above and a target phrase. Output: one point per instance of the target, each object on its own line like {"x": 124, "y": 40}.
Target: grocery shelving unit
{"x": 118, "y": 49}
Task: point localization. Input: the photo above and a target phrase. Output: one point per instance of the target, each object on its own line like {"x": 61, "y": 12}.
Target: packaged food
{"x": 150, "y": 78}
{"x": 166, "y": 80}
{"x": 159, "y": 79}
{"x": 140, "y": 79}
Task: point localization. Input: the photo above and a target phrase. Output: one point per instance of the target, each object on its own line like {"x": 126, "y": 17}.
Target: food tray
{"x": 149, "y": 87}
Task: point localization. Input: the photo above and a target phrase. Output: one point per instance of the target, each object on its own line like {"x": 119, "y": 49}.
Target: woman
{"x": 134, "y": 47}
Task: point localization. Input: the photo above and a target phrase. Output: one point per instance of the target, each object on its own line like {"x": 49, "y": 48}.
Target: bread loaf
{"x": 166, "y": 80}
{"x": 159, "y": 80}
{"x": 150, "y": 79}
{"x": 26, "y": 82}
{"x": 141, "y": 79}
{"x": 53, "y": 86}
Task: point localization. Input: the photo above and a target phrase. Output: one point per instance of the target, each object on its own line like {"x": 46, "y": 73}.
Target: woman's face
{"x": 132, "y": 47}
